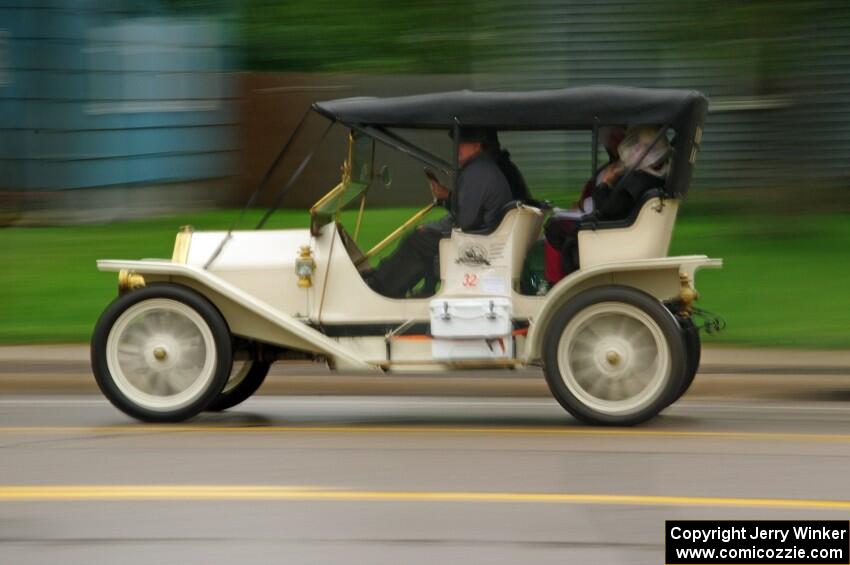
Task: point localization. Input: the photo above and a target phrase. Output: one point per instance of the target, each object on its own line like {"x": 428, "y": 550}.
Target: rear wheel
{"x": 245, "y": 379}
{"x": 161, "y": 353}
{"x": 614, "y": 355}
{"x": 693, "y": 352}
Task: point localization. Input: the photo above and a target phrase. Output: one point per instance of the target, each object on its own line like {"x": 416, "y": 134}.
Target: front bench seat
{"x": 519, "y": 228}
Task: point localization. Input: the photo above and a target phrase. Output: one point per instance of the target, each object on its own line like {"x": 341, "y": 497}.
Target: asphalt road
{"x": 402, "y": 480}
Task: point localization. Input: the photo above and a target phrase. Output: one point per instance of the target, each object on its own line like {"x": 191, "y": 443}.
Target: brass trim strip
{"x": 181, "y": 244}
{"x": 400, "y": 230}
{"x": 327, "y": 197}
{"x": 360, "y": 216}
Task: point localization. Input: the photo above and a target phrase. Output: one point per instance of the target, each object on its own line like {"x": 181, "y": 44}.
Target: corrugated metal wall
{"x": 794, "y": 130}
{"x": 91, "y": 97}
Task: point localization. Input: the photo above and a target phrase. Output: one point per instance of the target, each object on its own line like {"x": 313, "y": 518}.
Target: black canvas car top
{"x": 568, "y": 108}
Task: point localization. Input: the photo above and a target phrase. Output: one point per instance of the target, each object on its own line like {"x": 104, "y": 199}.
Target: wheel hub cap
{"x": 613, "y": 356}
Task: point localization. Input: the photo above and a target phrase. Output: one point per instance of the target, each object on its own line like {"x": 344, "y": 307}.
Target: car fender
{"x": 662, "y": 278}
{"x": 246, "y": 315}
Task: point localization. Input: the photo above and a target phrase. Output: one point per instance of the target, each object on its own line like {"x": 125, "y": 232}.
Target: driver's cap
{"x": 473, "y": 134}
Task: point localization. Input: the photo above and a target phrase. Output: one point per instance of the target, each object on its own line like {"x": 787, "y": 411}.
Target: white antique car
{"x": 615, "y": 338}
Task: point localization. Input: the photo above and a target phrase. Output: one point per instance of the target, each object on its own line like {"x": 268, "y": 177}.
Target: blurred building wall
{"x": 109, "y": 113}
{"x": 274, "y": 103}
{"x": 126, "y": 107}
{"x": 779, "y": 90}
{"x": 775, "y": 73}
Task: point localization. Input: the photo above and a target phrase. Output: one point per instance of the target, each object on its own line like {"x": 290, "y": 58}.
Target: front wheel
{"x": 161, "y": 353}
{"x": 614, "y": 355}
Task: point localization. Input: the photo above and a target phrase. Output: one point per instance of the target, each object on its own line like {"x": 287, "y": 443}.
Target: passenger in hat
{"x": 641, "y": 164}
{"x": 561, "y": 227}
{"x": 481, "y": 191}
{"x": 644, "y": 163}
{"x": 610, "y": 138}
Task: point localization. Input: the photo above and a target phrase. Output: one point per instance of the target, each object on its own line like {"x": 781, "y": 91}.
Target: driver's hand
{"x": 439, "y": 191}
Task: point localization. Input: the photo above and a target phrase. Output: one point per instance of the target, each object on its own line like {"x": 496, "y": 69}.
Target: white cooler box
{"x": 471, "y": 328}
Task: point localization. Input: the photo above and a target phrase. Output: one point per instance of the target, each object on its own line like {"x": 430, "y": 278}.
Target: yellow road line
{"x": 10, "y": 493}
{"x": 390, "y": 429}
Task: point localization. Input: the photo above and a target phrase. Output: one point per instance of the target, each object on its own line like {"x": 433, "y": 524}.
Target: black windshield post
{"x": 455, "y": 142}
{"x": 277, "y": 161}
{"x": 594, "y": 140}
{"x": 294, "y": 177}
{"x": 260, "y": 188}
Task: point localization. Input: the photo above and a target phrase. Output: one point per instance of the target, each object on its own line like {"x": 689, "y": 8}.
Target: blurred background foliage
{"x": 440, "y": 36}
{"x": 738, "y": 32}
{"x": 356, "y": 35}
{"x": 384, "y": 36}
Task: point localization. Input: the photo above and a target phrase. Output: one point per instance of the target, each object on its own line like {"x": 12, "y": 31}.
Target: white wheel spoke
{"x": 633, "y": 385}
{"x": 586, "y": 375}
{"x": 189, "y": 362}
{"x": 183, "y": 378}
{"x": 593, "y": 336}
{"x": 150, "y": 323}
{"x": 597, "y": 387}
{"x": 609, "y": 325}
{"x": 143, "y": 379}
{"x": 581, "y": 357}
{"x": 129, "y": 350}
{"x": 625, "y": 326}
{"x": 616, "y": 390}
{"x": 137, "y": 331}
{"x": 163, "y": 384}
{"x": 586, "y": 340}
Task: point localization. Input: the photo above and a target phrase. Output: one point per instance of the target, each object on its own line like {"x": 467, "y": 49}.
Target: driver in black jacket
{"x": 481, "y": 191}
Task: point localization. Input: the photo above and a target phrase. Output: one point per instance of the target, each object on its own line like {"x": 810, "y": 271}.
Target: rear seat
{"x": 645, "y": 234}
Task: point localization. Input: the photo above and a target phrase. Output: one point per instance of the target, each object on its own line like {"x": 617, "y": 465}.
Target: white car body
{"x": 253, "y": 282}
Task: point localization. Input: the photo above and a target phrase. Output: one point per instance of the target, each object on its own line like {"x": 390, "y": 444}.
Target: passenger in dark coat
{"x": 616, "y": 190}
{"x": 616, "y": 196}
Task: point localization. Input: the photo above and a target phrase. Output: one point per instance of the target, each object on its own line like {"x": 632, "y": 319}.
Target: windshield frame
{"x": 329, "y": 207}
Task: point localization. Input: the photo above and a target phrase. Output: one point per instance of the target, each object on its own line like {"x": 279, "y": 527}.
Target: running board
{"x": 456, "y": 364}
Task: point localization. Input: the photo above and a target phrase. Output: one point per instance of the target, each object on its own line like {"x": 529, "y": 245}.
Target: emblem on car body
{"x": 473, "y": 255}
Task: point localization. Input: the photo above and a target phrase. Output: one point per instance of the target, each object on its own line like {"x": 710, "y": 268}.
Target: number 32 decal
{"x": 470, "y": 280}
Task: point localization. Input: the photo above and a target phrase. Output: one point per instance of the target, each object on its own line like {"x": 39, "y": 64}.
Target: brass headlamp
{"x": 305, "y": 266}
